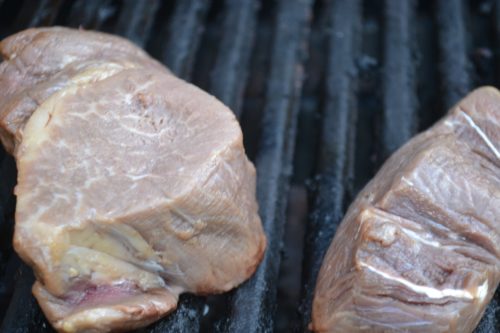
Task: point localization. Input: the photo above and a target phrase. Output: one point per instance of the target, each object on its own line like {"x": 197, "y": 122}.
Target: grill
{"x": 324, "y": 90}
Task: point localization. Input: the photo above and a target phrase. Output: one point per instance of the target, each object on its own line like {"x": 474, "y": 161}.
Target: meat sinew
{"x": 133, "y": 185}
{"x": 419, "y": 249}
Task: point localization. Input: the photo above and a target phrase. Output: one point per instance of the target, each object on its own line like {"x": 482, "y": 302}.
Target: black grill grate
{"x": 339, "y": 84}
{"x": 454, "y": 65}
{"x": 336, "y": 140}
{"x": 399, "y": 116}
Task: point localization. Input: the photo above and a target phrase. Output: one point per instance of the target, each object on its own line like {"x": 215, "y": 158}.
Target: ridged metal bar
{"x": 89, "y": 14}
{"x": 453, "y": 64}
{"x": 136, "y": 20}
{"x": 7, "y": 203}
{"x": 38, "y": 13}
{"x": 399, "y": 116}
{"x": 8, "y": 280}
{"x": 254, "y": 303}
{"x": 335, "y": 140}
{"x": 8, "y": 175}
{"x": 185, "y": 30}
{"x": 229, "y": 75}
{"x": 23, "y": 314}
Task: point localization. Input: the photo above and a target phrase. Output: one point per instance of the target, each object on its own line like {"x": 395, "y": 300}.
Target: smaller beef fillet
{"x": 419, "y": 249}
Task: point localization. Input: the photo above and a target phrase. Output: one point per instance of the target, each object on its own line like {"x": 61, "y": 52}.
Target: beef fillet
{"x": 133, "y": 185}
{"x": 419, "y": 249}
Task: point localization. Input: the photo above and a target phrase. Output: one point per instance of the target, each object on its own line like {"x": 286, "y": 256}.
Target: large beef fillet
{"x": 419, "y": 249}
{"x": 133, "y": 185}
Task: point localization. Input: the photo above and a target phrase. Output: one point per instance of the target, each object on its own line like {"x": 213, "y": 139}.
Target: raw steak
{"x": 419, "y": 249}
{"x": 133, "y": 187}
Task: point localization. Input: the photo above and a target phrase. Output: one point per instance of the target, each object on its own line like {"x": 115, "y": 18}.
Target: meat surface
{"x": 133, "y": 185}
{"x": 419, "y": 249}
{"x": 39, "y": 62}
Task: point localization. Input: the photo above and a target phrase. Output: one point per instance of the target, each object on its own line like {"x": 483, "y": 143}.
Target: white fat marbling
{"x": 481, "y": 134}
{"x": 428, "y": 291}
{"x": 417, "y": 237}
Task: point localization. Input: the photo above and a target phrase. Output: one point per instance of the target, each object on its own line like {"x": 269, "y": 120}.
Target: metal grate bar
{"x": 229, "y": 75}
{"x": 89, "y": 14}
{"x": 185, "y": 29}
{"x": 7, "y": 202}
{"x": 253, "y": 304}
{"x": 38, "y": 13}
{"x": 453, "y": 53}
{"x": 136, "y": 20}
{"x": 7, "y": 183}
{"x": 8, "y": 266}
{"x": 338, "y": 114}
{"x": 8, "y": 279}
{"x": 4, "y": 228}
{"x": 399, "y": 119}
{"x": 23, "y": 314}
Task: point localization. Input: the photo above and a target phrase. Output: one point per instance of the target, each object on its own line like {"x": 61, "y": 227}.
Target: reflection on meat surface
{"x": 133, "y": 185}
{"x": 419, "y": 249}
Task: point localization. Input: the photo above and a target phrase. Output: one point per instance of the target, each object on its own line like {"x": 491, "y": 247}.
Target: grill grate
{"x": 399, "y": 109}
{"x": 452, "y": 43}
{"x": 254, "y": 302}
{"x": 341, "y": 110}
{"x": 231, "y": 66}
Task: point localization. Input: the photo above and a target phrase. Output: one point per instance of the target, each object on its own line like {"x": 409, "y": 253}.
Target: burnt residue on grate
{"x": 324, "y": 90}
